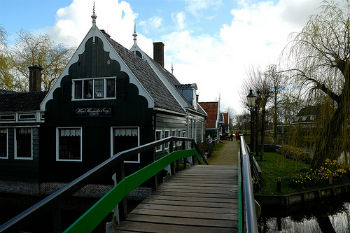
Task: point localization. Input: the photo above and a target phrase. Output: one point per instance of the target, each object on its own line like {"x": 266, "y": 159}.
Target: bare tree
{"x": 320, "y": 62}
{"x": 259, "y": 82}
{"x": 38, "y": 50}
{"x": 276, "y": 80}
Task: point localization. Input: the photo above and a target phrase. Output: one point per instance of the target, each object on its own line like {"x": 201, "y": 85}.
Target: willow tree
{"x": 5, "y": 74}
{"x": 320, "y": 64}
{"x": 38, "y": 50}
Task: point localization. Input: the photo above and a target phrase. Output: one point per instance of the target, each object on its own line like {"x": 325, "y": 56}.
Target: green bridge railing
{"x": 96, "y": 214}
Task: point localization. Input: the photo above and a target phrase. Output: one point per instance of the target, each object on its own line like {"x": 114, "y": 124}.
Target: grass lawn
{"x": 275, "y": 165}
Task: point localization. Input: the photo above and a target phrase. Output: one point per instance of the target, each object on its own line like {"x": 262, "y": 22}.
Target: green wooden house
{"x": 107, "y": 99}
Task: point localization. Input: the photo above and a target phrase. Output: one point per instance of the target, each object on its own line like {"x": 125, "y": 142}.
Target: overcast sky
{"x": 210, "y": 42}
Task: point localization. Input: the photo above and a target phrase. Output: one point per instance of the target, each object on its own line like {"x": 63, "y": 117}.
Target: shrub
{"x": 330, "y": 169}
{"x": 206, "y": 147}
{"x": 296, "y": 153}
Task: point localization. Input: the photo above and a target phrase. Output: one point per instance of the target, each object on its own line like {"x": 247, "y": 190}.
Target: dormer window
{"x": 97, "y": 88}
{"x": 138, "y": 54}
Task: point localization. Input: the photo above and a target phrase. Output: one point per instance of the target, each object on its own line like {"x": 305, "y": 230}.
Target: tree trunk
{"x": 262, "y": 133}
{"x": 256, "y": 131}
{"x": 275, "y": 118}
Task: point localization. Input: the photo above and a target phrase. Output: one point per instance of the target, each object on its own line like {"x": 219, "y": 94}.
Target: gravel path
{"x": 227, "y": 155}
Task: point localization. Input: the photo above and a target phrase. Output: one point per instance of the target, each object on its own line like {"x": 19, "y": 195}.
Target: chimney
{"x": 35, "y": 78}
{"x": 158, "y": 52}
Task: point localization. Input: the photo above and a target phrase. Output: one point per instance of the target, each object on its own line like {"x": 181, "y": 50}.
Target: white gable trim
{"x": 174, "y": 92}
{"x": 93, "y": 32}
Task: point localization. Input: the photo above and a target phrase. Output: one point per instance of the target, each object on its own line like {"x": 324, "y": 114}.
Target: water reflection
{"x": 326, "y": 217}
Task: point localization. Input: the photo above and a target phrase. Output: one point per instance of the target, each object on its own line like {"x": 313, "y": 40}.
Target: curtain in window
{"x": 24, "y": 130}
{"x": 69, "y": 132}
{"x": 125, "y": 132}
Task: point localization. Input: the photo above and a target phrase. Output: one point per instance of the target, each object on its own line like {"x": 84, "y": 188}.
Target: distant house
{"x": 214, "y": 121}
{"x": 107, "y": 99}
{"x": 307, "y": 115}
{"x": 225, "y": 130}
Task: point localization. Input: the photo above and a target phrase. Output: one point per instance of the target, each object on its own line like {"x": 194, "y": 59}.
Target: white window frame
{"x": 31, "y": 144}
{"x": 58, "y": 147}
{"x": 178, "y": 134}
{"x": 166, "y": 145}
{"x": 112, "y": 141}
{"x": 155, "y": 138}
{"x": 8, "y": 115}
{"x": 7, "y": 144}
{"x": 20, "y": 115}
{"x": 93, "y": 89}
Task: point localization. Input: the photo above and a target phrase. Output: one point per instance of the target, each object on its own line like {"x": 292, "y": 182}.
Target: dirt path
{"x": 227, "y": 155}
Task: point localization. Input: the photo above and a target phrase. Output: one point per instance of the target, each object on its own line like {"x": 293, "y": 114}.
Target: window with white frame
{"x": 158, "y": 137}
{"x": 68, "y": 144}
{"x": 97, "y": 88}
{"x": 23, "y": 143}
{"x": 166, "y": 135}
{"x": 178, "y": 133}
{"x": 126, "y": 138}
{"x": 3, "y": 143}
{"x": 7, "y": 117}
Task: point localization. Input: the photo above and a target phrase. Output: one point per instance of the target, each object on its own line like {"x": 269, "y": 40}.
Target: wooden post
{"x": 184, "y": 148}
{"x": 123, "y": 206}
{"x": 172, "y": 165}
{"x": 155, "y": 177}
{"x": 193, "y": 157}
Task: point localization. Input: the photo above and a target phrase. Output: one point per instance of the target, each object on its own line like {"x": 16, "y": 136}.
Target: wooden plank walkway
{"x": 198, "y": 199}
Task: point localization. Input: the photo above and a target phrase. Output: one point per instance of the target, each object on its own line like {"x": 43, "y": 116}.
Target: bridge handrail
{"x": 108, "y": 166}
{"x": 95, "y": 215}
{"x": 249, "y": 212}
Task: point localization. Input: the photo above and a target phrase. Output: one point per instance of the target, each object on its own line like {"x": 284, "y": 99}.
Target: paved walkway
{"x": 227, "y": 155}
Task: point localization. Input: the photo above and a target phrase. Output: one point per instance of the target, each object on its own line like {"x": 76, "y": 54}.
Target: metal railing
{"x": 247, "y": 219}
{"x": 110, "y": 166}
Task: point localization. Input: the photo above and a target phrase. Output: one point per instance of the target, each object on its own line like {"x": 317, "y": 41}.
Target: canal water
{"x": 329, "y": 216}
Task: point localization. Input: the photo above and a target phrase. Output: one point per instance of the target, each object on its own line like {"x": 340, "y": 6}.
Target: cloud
{"x": 74, "y": 21}
{"x": 179, "y": 20}
{"x": 195, "y": 6}
{"x": 256, "y": 35}
{"x": 151, "y": 24}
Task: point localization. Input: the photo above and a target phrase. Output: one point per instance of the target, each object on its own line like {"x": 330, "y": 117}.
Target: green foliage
{"x": 296, "y": 153}
{"x": 5, "y": 75}
{"x": 330, "y": 172}
{"x": 276, "y": 165}
{"x": 318, "y": 63}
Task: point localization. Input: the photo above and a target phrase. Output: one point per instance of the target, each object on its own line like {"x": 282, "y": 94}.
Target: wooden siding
{"x": 17, "y": 169}
{"x": 128, "y": 109}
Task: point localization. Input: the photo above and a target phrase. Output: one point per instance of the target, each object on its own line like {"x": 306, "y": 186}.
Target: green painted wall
{"x": 17, "y": 169}
{"x": 128, "y": 109}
